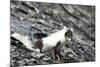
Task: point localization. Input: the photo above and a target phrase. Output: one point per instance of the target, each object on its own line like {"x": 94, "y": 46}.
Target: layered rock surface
{"x": 28, "y": 18}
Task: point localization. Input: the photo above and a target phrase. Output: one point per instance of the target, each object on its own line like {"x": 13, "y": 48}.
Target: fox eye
{"x": 69, "y": 34}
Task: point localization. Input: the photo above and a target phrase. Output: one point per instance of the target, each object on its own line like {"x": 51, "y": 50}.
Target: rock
{"x": 28, "y": 18}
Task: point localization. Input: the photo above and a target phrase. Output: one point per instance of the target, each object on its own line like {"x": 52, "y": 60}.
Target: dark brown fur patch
{"x": 39, "y": 44}
{"x": 40, "y": 35}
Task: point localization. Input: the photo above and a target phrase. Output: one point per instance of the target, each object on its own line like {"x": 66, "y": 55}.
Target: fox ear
{"x": 40, "y": 35}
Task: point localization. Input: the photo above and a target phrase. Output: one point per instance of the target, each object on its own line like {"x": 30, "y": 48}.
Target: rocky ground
{"x": 28, "y": 18}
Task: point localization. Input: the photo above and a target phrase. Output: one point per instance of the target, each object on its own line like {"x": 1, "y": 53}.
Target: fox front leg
{"x": 56, "y": 55}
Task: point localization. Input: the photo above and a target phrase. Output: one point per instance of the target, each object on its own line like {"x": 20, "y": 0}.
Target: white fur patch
{"x": 24, "y": 39}
{"x": 51, "y": 41}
